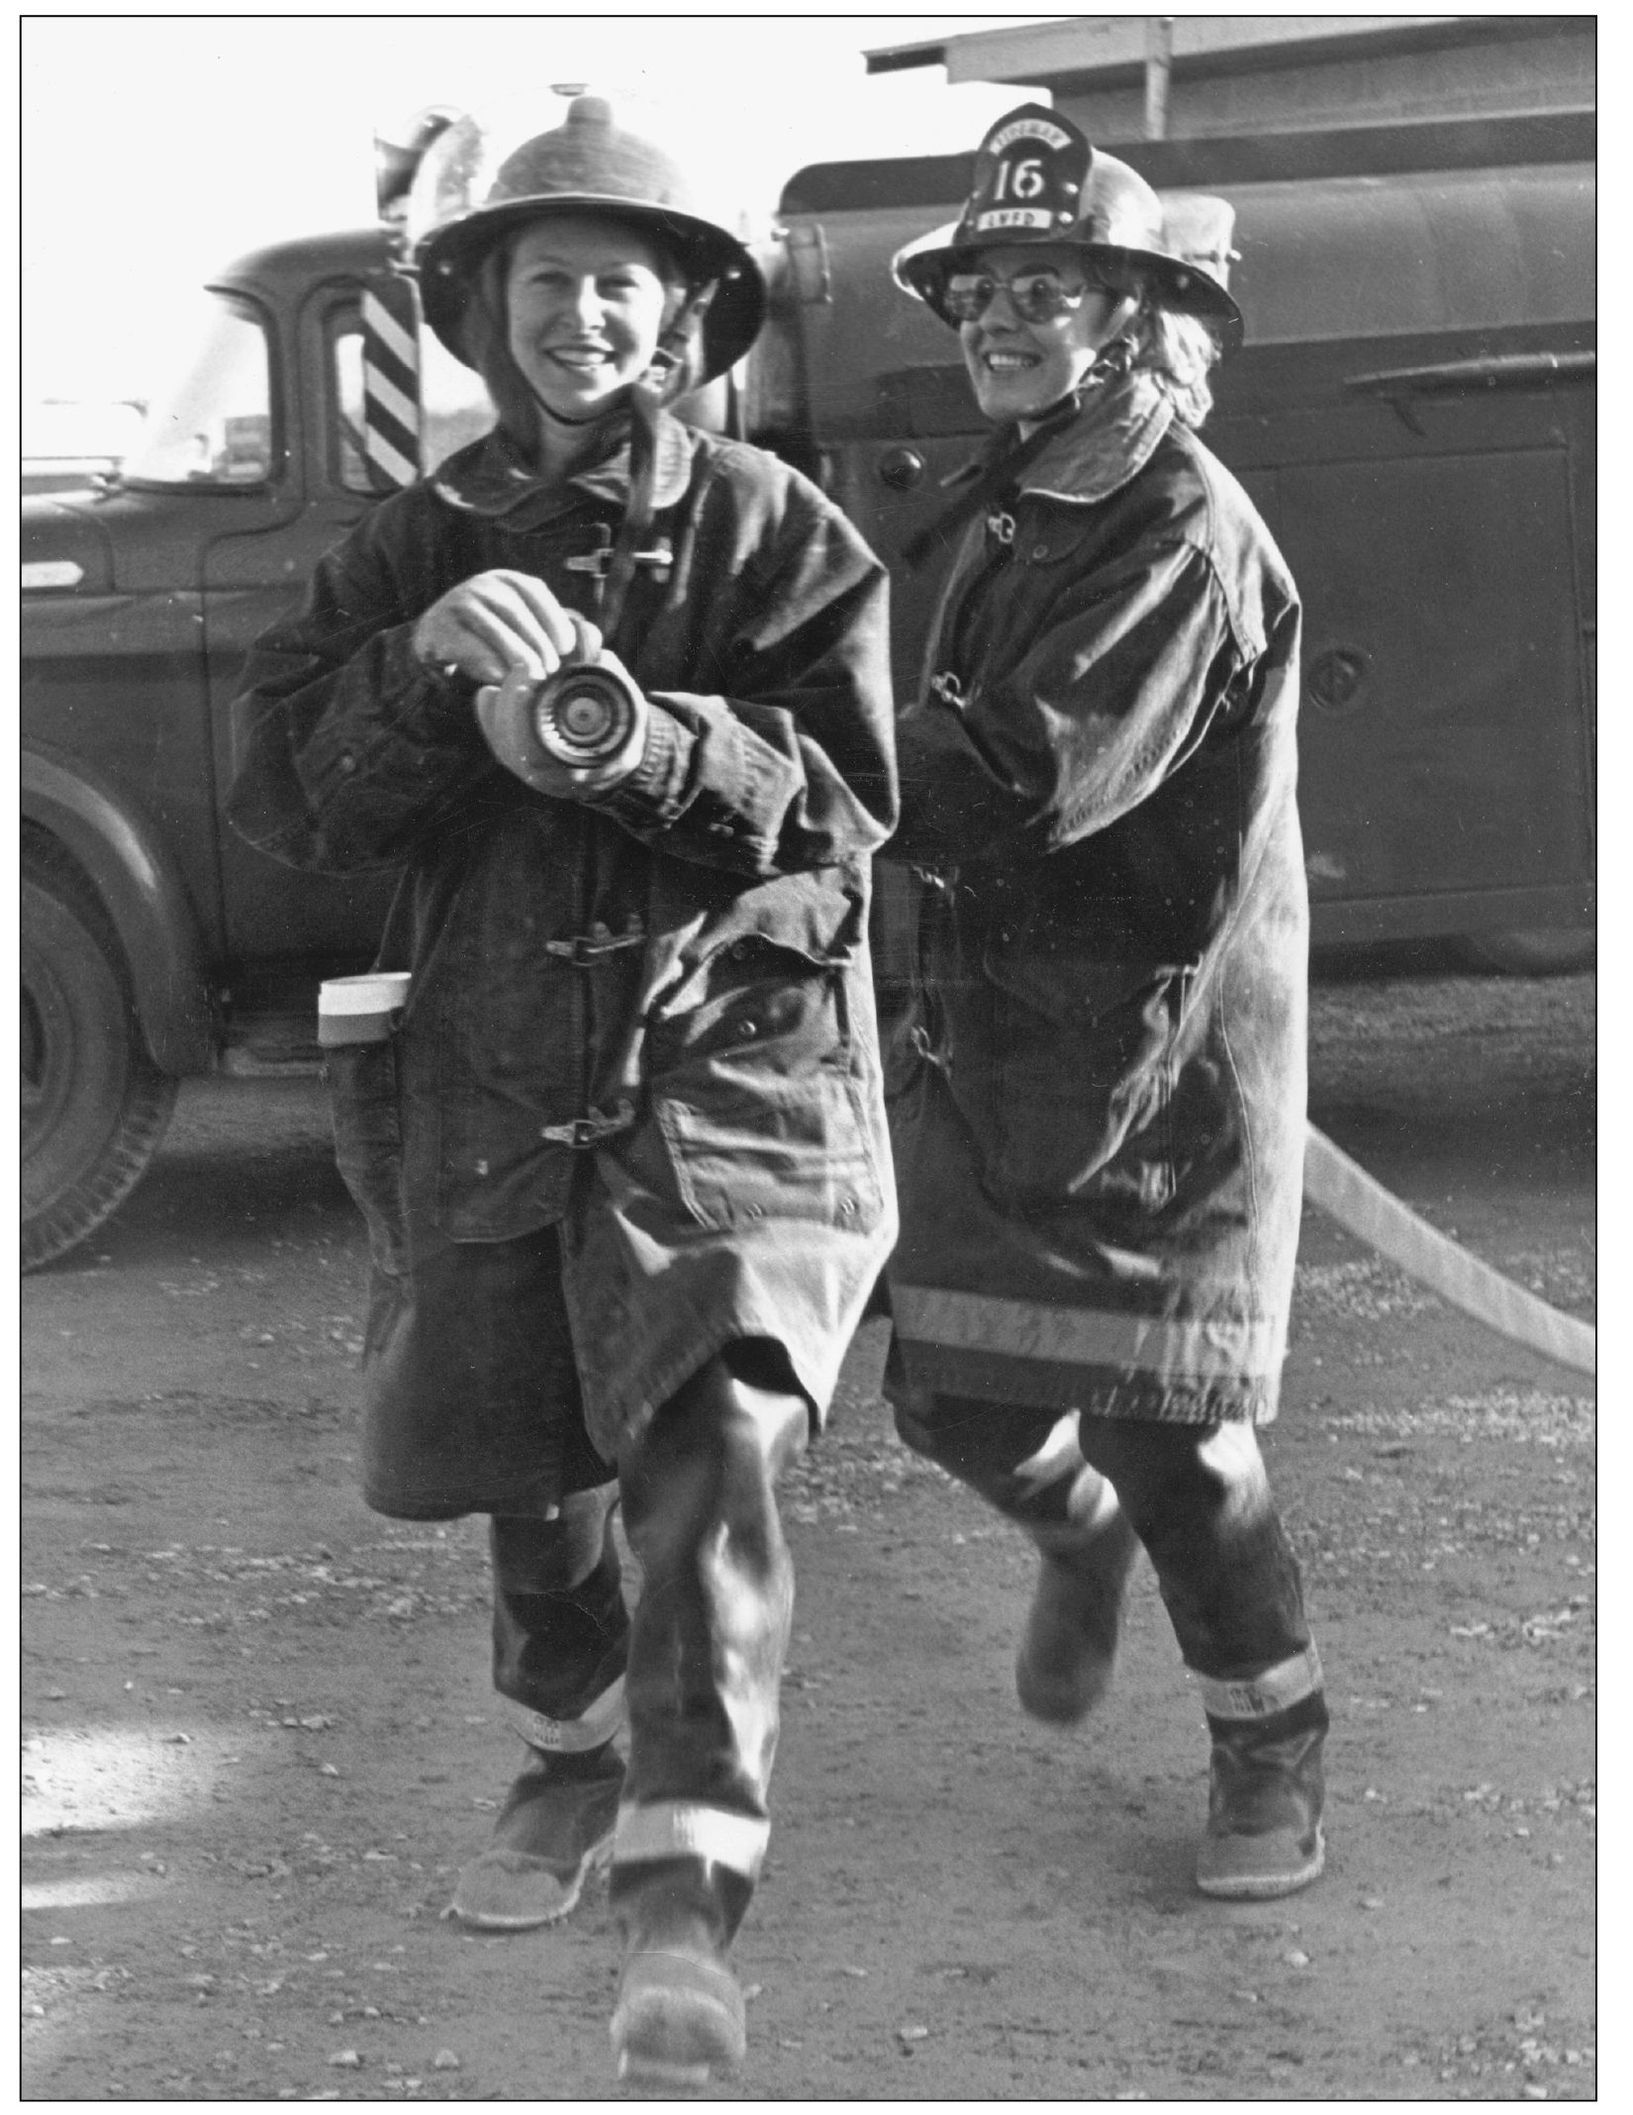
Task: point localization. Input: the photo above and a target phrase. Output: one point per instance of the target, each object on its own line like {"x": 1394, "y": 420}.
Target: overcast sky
{"x": 156, "y": 148}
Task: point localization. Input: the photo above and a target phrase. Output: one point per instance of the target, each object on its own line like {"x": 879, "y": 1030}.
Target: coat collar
{"x": 1109, "y": 442}
{"x": 493, "y": 478}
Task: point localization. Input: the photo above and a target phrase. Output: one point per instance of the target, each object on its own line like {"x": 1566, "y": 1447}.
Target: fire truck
{"x": 1413, "y": 413}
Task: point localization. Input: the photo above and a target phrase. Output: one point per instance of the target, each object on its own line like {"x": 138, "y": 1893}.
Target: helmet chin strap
{"x": 560, "y": 418}
{"x": 1112, "y": 361}
{"x": 672, "y": 365}
{"x": 1117, "y": 322}
{"x": 1114, "y": 357}
{"x": 670, "y": 372}
{"x": 667, "y": 377}
{"x": 666, "y": 374}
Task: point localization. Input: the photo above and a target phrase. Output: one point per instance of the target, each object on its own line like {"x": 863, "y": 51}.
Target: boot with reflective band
{"x": 555, "y": 1828}
{"x": 678, "y": 2020}
{"x": 1264, "y": 1803}
{"x": 1069, "y": 1645}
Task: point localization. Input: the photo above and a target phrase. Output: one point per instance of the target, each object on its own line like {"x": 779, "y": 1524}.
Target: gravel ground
{"x": 258, "y": 1740}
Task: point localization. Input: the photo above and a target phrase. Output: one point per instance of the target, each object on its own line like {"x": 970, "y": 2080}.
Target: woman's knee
{"x": 747, "y": 1406}
{"x": 1023, "y": 1460}
{"x": 1231, "y": 1453}
{"x": 537, "y": 1556}
{"x": 711, "y": 1454}
{"x": 1178, "y": 1473}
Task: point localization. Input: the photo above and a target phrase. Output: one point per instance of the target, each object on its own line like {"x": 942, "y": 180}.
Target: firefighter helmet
{"x": 590, "y": 164}
{"x": 1037, "y": 180}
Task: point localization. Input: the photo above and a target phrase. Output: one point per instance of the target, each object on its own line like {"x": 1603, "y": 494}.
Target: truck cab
{"x": 155, "y": 943}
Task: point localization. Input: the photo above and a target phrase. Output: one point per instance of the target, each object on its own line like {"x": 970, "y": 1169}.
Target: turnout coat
{"x": 643, "y": 1021}
{"x": 1098, "y": 1093}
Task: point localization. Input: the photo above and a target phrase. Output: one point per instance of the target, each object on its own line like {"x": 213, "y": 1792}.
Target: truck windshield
{"x": 214, "y": 426}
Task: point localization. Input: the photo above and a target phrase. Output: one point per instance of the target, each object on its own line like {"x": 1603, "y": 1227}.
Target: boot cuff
{"x": 1262, "y": 1695}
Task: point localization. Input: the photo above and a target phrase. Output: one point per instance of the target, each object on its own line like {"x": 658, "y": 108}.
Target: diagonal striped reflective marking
{"x": 392, "y": 461}
{"x": 379, "y": 319}
{"x": 397, "y": 402}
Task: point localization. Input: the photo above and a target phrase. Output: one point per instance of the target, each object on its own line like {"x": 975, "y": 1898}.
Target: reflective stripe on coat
{"x": 1098, "y": 1097}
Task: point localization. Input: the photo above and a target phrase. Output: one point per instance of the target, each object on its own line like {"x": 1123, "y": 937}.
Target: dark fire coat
{"x": 1098, "y": 1102}
{"x": 647, "y": 1019}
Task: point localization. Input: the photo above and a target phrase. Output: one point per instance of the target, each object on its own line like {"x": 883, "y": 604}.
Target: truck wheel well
{"x": 94, "y": 1104}
{"x": 51, "y": 859}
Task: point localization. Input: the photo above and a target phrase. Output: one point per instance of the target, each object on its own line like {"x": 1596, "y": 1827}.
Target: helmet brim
{"x": 922, "y": 267}
{"x": 449, "y": 259}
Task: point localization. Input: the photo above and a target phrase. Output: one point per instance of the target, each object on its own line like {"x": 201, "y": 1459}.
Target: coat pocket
{"x": 802, "y": 1153}
{"x": 367, "y": 1117}
{"x": 1081, "y": 1085}
{"x": 758, "y": 1095}
{"x": 1077, "y": 990}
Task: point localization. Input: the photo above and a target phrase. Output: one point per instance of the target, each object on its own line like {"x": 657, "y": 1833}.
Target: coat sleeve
{"x": 1082, "y": 723}
{"x": 791, "y": 765}
{"x": 352, "y": 750}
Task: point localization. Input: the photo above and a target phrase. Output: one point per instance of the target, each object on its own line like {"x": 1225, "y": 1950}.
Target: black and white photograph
{"x": 808, "y": 1028}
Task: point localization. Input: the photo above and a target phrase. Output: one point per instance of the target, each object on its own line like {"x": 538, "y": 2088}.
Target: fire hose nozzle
{"x": 584, "y": 714}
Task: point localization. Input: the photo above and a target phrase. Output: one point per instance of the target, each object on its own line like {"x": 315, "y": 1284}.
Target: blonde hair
{"x": 1179, "y": 350}
{"x": 1173, "y": 346}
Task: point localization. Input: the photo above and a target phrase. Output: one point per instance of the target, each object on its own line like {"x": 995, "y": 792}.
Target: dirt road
{"x": 259, "y": 1738}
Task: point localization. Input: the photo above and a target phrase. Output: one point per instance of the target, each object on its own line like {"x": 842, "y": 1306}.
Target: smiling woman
{"x": 1031, "y": 325}
{"x": 1098, "y": 1105}
{"x": 586, "y": 303}
{"x": 622, "y": 1151}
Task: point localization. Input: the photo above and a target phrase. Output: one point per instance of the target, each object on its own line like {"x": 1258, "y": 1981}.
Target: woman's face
{"x": 1019, "y": 369}
{"x": 584, "y": 301}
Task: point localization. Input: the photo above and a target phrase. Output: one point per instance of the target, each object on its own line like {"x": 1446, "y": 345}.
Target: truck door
{"x": 285, "y": 927}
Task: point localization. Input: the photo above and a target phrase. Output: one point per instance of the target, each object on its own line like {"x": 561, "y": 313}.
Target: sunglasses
{"x": 1038, "y": 295}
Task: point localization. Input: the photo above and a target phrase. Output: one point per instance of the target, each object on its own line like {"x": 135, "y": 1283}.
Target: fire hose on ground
{"x": 1346, "y": 1192}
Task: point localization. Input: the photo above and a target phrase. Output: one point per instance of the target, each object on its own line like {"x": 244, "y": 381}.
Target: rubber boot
{"x": 701, "y": 1689}
{"x": 554, "y": 1830}
{"x": 678, "y": 2019}
{"x": 1069, "y": 1646}
{"x": 1265, "y": 1794}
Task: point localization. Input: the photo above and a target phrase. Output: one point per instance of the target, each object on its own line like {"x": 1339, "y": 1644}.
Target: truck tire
{"x": 1535, "y": 951}
{"x": 95, "y": 1106}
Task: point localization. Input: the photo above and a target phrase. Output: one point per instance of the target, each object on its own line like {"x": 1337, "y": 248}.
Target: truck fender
{"x": 139, "y": 887}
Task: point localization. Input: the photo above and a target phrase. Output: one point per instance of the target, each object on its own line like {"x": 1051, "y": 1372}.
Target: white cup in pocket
{"x": 361, "y": 1009}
